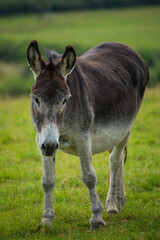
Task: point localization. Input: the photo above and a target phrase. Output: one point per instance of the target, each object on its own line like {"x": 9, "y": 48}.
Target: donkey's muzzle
{"x": 49, "y": 148}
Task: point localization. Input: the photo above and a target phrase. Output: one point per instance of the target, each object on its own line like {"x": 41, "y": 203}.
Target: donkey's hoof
{"x": 47, "y": 221}
{"x": 112, "y": 209}
{"x": 96, "y": 223}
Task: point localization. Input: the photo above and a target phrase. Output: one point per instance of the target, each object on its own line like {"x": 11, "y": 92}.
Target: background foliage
{"x": 30, "y": 6}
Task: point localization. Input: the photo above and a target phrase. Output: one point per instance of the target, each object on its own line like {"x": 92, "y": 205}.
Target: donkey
{"x": 84, "y": 106}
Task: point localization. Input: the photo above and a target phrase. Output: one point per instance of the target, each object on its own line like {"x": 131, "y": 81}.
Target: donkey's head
{"x": 49, "y": 95}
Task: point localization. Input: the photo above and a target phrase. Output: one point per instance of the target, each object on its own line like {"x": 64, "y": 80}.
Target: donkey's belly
{"x": 102, "y": 139}
{"x": 101, "y": 142}
{"x": 105, "y": 138}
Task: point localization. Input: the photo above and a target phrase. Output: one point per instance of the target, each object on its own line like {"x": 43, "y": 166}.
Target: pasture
{"x": 21, "y": 195}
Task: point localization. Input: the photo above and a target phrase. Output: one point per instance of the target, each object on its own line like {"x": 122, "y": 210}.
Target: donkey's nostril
{"x": 43, "y": 146}
{"x": 49, "y": 148}
{"x": 57, "y": 145}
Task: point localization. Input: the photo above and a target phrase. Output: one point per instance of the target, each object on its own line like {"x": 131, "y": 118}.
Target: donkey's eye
{"x": 64, "y": 102}
{"x": 37, "y": 101}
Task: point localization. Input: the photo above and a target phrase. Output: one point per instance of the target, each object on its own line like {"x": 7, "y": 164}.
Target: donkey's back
{"x": 119, "y": 63}
{"x": 115, "y": 69}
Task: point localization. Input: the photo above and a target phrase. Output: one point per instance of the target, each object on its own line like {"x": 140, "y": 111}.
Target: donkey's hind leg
{"x": 120, "y": 189}
{"x": 116, "y": 195}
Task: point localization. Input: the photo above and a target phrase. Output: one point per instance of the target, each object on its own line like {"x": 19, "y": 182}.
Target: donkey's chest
{"x": 67, "y": 143}
{"x": 102, "y": 139}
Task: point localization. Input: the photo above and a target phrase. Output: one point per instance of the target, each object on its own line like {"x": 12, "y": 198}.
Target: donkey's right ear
{"x": 34, "y": 58}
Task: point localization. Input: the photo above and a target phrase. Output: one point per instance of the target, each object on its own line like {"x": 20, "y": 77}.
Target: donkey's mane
{"x": 50, "y": 54}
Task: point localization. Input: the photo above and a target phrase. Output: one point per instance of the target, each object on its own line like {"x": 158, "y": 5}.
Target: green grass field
{"x": 136, "y": 27}
{"x": 21, "y": 194}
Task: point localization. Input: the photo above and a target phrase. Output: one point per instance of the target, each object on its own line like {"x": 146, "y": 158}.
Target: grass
{"x": 136, "y": 27}
{"x": 21, "y": 194}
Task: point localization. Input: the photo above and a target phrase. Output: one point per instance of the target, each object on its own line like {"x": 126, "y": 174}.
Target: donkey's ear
{"x": 34, "y": 58}
{"x": 68, "y": 61}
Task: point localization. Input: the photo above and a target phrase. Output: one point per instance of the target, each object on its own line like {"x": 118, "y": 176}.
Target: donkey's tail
{"x": 125, "y": 154}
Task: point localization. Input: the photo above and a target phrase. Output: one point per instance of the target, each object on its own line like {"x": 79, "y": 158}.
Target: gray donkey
{"x": 84, "y": 106}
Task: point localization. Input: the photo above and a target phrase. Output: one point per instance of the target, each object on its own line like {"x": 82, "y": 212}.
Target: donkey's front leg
{"x": 90, "y": 179}
{"x": 48, "y": 183}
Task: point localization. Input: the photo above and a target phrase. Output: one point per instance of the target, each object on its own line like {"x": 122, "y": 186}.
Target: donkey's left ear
{"x": 34, "y": 58}
{"x": 68, "y": 61}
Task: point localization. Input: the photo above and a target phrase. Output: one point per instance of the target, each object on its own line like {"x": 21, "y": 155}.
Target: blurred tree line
{"x": 30, "y": 6}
